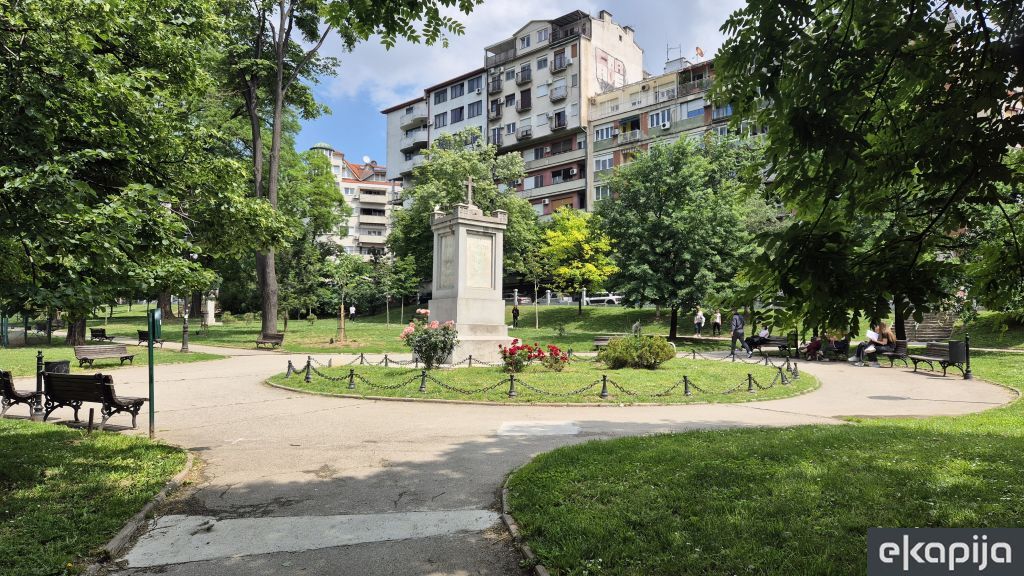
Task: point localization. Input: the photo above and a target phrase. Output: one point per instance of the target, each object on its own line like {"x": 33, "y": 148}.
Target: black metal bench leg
{"x": 6, "y": 407}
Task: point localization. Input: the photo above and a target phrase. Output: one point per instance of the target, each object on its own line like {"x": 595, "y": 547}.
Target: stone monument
{"x": 468, "y": 278}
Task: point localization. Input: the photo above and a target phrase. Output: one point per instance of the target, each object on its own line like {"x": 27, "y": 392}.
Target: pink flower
{"x": 449, "y": 323}
{"x": 434, "y": 325}
{"x": 407, "y": 331}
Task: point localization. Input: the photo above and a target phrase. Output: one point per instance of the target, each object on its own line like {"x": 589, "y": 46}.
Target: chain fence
{"x": 785, "y": 374}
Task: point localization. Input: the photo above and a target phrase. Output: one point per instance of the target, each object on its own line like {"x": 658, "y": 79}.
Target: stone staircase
{"x": 934, "y": 327}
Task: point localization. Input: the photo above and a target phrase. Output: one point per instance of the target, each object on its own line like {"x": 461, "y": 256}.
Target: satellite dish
{"x": 366, "y": 159}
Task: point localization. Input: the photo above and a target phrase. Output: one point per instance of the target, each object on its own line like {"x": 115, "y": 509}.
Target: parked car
{"x": 522, "y": 299}
{"x": 603, "y": 298}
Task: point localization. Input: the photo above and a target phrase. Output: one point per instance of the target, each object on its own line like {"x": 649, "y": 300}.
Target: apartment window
{"x": 510, "y": 128}
{"x": 581, "y": 141}
{"x": 371, "y": 212}
{"x": 524, "y": 42}
{"x": 458, "y": 90}
{"x": 603, "y": 132}
{"x": 542, "y": 120}
{"x": 409, "y": 109}
{"x": 721, "y": 112}
{"x": 539, "y": 208}
{"x": 475, "y": 109}
{"x": 562, "y": 146}
{"x": 538, "y": 181}
{"x": 542, "y": 63}
{"x": 542, "y": 35}
{"x": 634, "y": 99}
{"x": 721, "y": 130}
{"x": 542, "y": 90}
{"x": 510, "y": 100}
{"x": 602, "y": 192}
{"x": 656, "y": 119}
{"x": 510, "y": 75}
{"x": 408, "y": 156}
{"x": 694, "y": 108}
{"x": 440, "y": 120}
{"x": 336, "y": 169}
{"x": 440, "y": 96}
{"x": 474, "y": 84}
{"x": 538, "y": 153}
{"x": 563, "y": 175}
{"x": 574, "y": 109}
{"x": 575, "y": 80}
{"x": 458, "y": 114}
{"x": 603, "y": 163}
{"x": 351, "y": 191}
{"x": 495, "y": 135}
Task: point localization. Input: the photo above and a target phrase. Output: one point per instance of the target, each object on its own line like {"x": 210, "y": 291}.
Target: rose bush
{"x": 518, "y": 355}
{"x": 432, "y": 342}
{"x": 555, "y": 359}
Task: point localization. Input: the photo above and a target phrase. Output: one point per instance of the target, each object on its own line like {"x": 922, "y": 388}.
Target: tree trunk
{"x": 164, "y": 302}
{"x": 195, "y": 309}
{"x": 76, "y": 331}
{"x": 900, "y": 311}
{"x": 184, "y": 327}
{"x": 267, "y": 273}
{"x": 536, "y": 307}
{"x": 673, "y": 324}
{"x": 580, "y": 312}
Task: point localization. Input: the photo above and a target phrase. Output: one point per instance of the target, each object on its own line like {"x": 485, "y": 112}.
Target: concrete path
{"x": 303, "y": 484}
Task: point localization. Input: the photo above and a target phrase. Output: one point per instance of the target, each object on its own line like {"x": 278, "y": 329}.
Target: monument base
{"x": 477, "y": 334}
{"x": 482, "y": 349}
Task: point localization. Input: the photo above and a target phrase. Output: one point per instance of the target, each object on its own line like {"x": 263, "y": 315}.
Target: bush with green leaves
{"x": 247, "y": 317}
{"x": 227, "y": 318}
{"x": 646, "y": 352}
{"x": 311, "y": 318}
{"x": 431, "y": 342}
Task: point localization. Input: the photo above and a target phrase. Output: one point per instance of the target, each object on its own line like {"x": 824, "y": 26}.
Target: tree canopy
{"x": 577, "y": 252}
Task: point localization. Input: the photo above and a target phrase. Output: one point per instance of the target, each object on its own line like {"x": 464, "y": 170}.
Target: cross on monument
{"x": 469, "y": 190}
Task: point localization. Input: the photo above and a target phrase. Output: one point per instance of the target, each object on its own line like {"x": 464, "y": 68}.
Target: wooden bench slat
{"x": 71, "y": 390}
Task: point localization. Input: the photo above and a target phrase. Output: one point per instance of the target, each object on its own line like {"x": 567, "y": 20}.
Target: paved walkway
{"x": 302, "y": 484}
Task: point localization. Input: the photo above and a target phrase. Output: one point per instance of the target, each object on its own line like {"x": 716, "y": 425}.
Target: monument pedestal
{"x": 467, "y": 279}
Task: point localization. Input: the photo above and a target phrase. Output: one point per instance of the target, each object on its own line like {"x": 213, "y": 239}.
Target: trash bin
{"x": 57, "y": 367}
{"x": 957, "y": 351}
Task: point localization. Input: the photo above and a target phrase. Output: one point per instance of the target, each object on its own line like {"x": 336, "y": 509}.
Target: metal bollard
{"x": 291, "y": 369}
{"x": 765, "y": 359}
{"x": 330, "y": 362}
{"x": 968, "y": 375}
{"x": 470, "y": 360}
{"x": 750, "y": 382}
{"x": 362, "y": 359}
{"x": 694, "y": 353}
{"x": 385, "y": 360}
{"x": 351, "y": 379}
{"x": 309, "y": 369}
{"x": 92, "y": 414}
{"x": 686, "y": 386}
{"x": 787, "y": 364}
{"x": 423, "y": 381}
{"x": 796, "y": 371}
{"x": 511, "y": 385}
{"x": 604, "y": 385}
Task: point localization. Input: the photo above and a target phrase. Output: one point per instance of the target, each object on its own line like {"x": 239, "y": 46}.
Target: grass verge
{"x": 65, "y": 493}
{"x": 772, "y": 501}
{"x": 714, "y": 378}
{"x": 22, "y": 361}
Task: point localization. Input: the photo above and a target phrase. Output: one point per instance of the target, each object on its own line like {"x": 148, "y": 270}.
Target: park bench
{"x": 144, "y": 338}
{"x": 99, "y": 334}
{"x": 89, "y": 354}
{"x": 271, "y": 340}
{"x": 953, "y": 354}
{"x": 9, "y": 396}
{"x": 72, "y": 390}
{"x": 602, "y": 341}
{"x": 783, "y": 343}
{"x": 899, "y": 352}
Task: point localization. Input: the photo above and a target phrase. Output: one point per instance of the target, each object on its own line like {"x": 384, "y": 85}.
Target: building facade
{"x": 368, "y": 191}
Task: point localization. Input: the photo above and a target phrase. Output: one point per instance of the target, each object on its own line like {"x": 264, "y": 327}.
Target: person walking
{"x": 716, "y": 323}
{"x": 698, "y": 322}
{"x": 736, "y": 328}
{"x": 515, "y": 316}
{"x": 352, "y": 312}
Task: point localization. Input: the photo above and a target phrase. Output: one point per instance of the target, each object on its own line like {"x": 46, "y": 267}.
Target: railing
{"x": 374, "y": 198}
{"x": 522, "y": 106}
{"x": 559, "y": 64}
{"x": 494, "y": 113}
{"x": 372, "y": 239}
{"x": 524, "y": 77}
{"x": 558, "y": 93}
{"x": 417, "y": 116}
{"x": 417, "y": 139}
{"x": 569, "y": 31}
{"x": 493, "y": 86}
{"x": 525, "y": 133}
{"x": 500, "y": 58}
{"x": 558, "y": 123}
{"x": 630, "y": 136}
{"x": 694, "y": 86}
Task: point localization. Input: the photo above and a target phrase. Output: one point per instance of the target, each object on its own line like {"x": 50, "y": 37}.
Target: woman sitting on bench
{"x": 882, "y": 341}
{"x": 757, "y": 341}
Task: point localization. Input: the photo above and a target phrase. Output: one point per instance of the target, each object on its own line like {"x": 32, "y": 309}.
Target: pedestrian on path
{"x": 698, "y": 322}
{"x": 515, "y": 316}
{"x": 716, "y": 323}
{"x": 352, "y": 312}
{"x": 737, "y": 333}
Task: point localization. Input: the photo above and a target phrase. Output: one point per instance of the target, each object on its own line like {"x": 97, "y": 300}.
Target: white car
{"x": 603, "y": 298}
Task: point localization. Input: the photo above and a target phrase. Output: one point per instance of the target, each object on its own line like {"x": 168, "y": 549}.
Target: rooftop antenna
{"x": 669, "y": 49}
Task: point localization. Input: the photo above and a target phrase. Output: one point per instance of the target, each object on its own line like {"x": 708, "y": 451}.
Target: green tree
{"x": 886, "y": 126}
{"x": 275, "y": 45}
{"x": 577, "y": 252}
{"x": 677, "y": 221}
{"x": 441, "y": 183}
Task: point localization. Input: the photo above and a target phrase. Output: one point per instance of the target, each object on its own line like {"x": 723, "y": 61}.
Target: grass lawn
{"x": 994, "y": 330}
{"x": 772, "y": 501}
{"x": 714, "y": 377}
{"x": 64, "y": 494}
{"x": 22, "y": 361}
{"x": 373, "y": 334}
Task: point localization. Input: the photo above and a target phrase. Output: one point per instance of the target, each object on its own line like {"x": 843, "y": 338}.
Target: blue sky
{"x": 371, "y": 78}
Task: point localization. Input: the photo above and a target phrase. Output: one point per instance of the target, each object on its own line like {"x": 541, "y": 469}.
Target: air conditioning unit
{"x": 547, "y": 149}
{"x": 645, "y": 87}
{"x": 547, "y": 201}
{"x": 593, "y": 100}
{"x": 478, "y": 91}
{"x": 501, "y": 68}
{"x": 666, "y": 125}
{"x": 615, "y": 132}
{"x": 568, "y": 61}
{"x": 572, "y": 171}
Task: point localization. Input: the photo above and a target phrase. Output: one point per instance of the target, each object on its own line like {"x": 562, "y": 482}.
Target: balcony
{"x": 417, "y": 161}
{"x": 499, "y": 58}
{"x": 524, "y": 77}
{"x": 570, "y": 31}
{"x": 577, "y": 183}
{"x": 496, "y": 139}
{"x": 555, "y": 159}
{"x": 495, "y": 113}
{"x": 695, "y": 86}
{"x": 558, "y": 122}
{"x": 372, "y": 239}
{"x": 559, "y": 64}
{"x": 629, "y": 136}
{"x": 494, "y": 86}
{"x": 364, "y": 219}
{"x": 414, "y": 119}
{"x": 524, "y": 133}
{"x": 414, "y": 141}
{"x": 558, "y": 93}
{"x": 523, "y": 105}
{"x": 367, "y": 197}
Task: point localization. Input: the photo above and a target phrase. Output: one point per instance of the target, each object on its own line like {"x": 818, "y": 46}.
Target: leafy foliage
{"x": 577, "y": 252}
{"x": 647, "y": 352}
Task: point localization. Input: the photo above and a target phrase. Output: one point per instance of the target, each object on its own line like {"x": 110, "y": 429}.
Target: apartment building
{"x": 450, "y": 106}
{"x": 539, "y": 85}
{"x": 368, "y": 191}
{"x": 627, "y": 120}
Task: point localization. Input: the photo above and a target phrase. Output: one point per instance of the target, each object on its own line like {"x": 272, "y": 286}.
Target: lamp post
{"x": 968, "y": 375}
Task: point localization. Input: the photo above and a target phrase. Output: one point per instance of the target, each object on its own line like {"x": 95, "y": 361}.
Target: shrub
{"x": 636, "y": 352}
{"x": 247, "y": 317}
{"x": 518, "y": 356}
{"x": 311, "y": 318}
{"x": 561, "y": 331}
{"x": 227, "y": 318}
{"x": 555, "y": 359}
{"x": 421, "y": 315}
{"x": 432, "y": 343}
